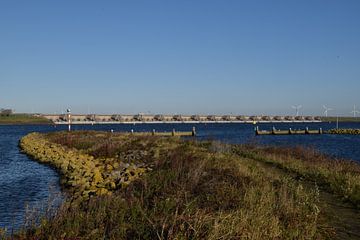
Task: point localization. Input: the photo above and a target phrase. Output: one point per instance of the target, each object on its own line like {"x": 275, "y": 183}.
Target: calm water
{"x": 25, "y": 182}
{"x": 22, "y": 181}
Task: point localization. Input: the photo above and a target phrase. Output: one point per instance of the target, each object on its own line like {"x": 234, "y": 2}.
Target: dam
{"x": 159, "y": 118}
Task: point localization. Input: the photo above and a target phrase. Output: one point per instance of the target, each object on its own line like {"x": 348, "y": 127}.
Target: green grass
{"x": 340, "y": 176}
{"x": 341, "y": 119}
{"x": 23, "y": 119}
{"x": 192, "y": 190}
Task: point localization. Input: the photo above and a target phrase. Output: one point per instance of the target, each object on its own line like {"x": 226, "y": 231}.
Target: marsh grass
{"x": 340, "y": 176}
{"x": 105, "y": 145}
{"x": 194, "y": 191}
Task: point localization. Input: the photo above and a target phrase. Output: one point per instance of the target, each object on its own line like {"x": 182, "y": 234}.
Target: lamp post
{"x": 69, "y": 118}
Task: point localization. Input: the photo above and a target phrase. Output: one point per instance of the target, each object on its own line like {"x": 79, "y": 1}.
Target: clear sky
{"x": 186, "y": 56}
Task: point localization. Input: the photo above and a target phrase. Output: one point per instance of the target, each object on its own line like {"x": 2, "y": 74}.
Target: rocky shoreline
{"x": 349, "y": 131}
{"x": 124, "y": 186}
{"x": 81, "y": 173}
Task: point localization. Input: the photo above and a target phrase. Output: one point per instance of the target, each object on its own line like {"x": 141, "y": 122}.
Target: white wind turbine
{"x": 297, "y": 108}
{"x": 327, "y": 110}
{"x": 354, "y": 111}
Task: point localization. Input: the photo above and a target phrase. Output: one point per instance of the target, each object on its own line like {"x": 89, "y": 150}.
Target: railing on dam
{"x": 139, "y": 118}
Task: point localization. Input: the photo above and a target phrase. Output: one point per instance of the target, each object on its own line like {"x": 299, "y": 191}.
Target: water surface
{"x": 23, "y": 182}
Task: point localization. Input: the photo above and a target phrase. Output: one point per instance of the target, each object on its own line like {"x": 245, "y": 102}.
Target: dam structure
{"x": 159, "y": 118}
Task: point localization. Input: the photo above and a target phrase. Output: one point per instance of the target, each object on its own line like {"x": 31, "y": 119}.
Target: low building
{"x": 6, "y": 112}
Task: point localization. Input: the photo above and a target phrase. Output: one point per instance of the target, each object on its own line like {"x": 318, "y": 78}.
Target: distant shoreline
{"x": 22, "y": 123}
{"x": 341, "y": 119}
{"x": 23, "y": 119}
{"x": 30, "y": 119}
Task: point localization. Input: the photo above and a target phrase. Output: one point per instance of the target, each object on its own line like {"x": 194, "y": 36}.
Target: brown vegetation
{"x": 340, "y": 176}
{"x": 192, "y": 190}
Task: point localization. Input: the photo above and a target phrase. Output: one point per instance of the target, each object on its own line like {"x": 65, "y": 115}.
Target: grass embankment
{"x": 15, "y": 119}
{"x": 340, "y": 176}
{"x": 189, "y": 190}
{"x": 340, "y": 119}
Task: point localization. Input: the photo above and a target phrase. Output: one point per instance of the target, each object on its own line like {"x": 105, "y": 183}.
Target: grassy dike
{"x": 146, "y": 187}
{"x": 340, "y": 119}
{"x": 22, "y": 118}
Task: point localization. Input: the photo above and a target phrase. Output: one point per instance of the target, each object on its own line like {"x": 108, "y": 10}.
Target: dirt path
{"x": 343, "y": 217}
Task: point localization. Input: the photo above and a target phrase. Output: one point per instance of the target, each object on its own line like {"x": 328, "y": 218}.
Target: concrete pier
{"x": 288, "y": 132}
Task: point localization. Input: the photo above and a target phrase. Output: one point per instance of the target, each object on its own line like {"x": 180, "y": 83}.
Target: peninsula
{"x": 125, "y": 186}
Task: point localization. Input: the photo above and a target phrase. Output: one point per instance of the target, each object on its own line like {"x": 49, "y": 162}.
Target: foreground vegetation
{"x": 183, "y": 189}
{"x": 340, "y": 176}
{"x": 22, "y": 119}
{"x": 84, "y": 174}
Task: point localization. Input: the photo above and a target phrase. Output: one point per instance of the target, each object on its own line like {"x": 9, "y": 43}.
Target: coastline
{"x": 341, "y": 119}
{"x": 92, "y": 167}
{"x": 23, "y": 119}
{"x": 24, "y": 123}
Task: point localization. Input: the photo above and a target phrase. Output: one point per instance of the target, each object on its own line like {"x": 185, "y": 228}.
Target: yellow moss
{"x": 101, "y": 191}
{"x": 85, "y": 174}
{"x": 111, "y": 185}
{"x": 115, "y": 164}
{"x": 109, "y": 167}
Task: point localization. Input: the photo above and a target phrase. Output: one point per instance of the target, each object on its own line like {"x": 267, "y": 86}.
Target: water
{"x": 341, "y": 146}
{"x": 22, "y": 181}
{"x": 26, "y": 182}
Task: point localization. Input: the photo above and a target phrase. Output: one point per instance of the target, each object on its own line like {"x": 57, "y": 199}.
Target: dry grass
{"x": 195, "y": 191}
{"x": 340, "y": 176}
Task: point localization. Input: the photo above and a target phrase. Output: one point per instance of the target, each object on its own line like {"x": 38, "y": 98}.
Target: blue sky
{"x": 205, "y": 56}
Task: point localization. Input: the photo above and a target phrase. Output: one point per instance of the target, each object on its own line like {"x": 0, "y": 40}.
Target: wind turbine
{"x": 354, "y": 111}
{"x": 297, "y": 108}
{"x": 327, "y": 110}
